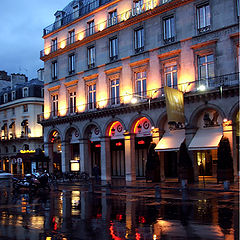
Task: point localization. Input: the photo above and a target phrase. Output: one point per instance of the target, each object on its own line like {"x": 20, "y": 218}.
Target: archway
{"x": 55, "y": 145}
{"x": 115, "y": 132}
{"x": 72, "y": 150}
{"x": 142, "y": 128}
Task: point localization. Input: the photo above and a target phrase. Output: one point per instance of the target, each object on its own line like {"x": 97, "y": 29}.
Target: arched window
{"x": 26, "y": 147}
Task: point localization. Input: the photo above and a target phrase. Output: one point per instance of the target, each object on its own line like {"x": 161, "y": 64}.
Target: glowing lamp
{"x": 101, "y": 26}
{"x": 113, "y": 131}
{"x": 134, "y": 100}
{"x": 201, "y": 88}
{"x": 62, "y": 44}
{"x": 139, "y": 128}
{"x": 225, "y": 120}
{"x": 98, "y": 145}
{"x": 141, "y": 142}
{"x": 46, "y": 51}
{"x": 80, "y": 36}
{"x": 118, "y": 144}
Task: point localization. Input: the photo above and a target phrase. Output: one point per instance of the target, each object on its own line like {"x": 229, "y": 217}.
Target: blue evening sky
{"x": 21, "y": 28}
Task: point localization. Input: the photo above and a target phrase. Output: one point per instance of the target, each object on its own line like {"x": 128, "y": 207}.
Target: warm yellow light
{"x": 27, "y": 151}
{"x": 62, "y": 44}
{"x": 48, "y": 238}
{"x": 101, "y": 26}
{"x": 154, "y": 237}
{"x": 134, "y": 100}
{"x": 225, "y": 120}
{"x": 102, "y": 103}
{"x": 46, "y": 51}
{"x": 80, "y": 36}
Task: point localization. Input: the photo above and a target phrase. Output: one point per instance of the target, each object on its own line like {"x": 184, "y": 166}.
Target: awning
{"x": 171, "y": 141}
{"x": 11, "y": 124}
{"x": 206, "y": 139}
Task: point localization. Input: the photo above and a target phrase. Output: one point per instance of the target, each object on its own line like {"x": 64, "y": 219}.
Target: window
{"x": 72, "y": 102}
{"x": 206, "y": 68}
{"x": 113, "y": 48}
{"x": 76, "y": 11}
{"x": 112, "y": 18}
{"x": 71, "y": 36}
{"x": 55, "y": 105}
{"x": 26, "y": 147}
{"x": 6, "y": 149}
{"x": 58, "y": 21}
{"x": 71, "y": 63}
{"x": 141, "y": 85}
{"x": 91, "y": 28}
{"x": 138, "y": 6}
{"x": 139, "y": 40}
{"x": 13, "y": 111}
{"x": 92, "y": 96}
{"x": 25, "y": 108}
{"x": 91, "y": 57}
{"x": 203, "y": 18}
{"x": 54, "y": 45}
{"x": 14, "y": 148}
{"x": 54, "y": 70}
{"x": 25, "y": 92}
{"x": 13, "y": 95}
{"x": 92, "y": 4}
{"x": 238, "y": 6}
{"x": 170, "y": 75}
{"x": 115, "y": 99}
{"x": 169, "y": 29}
{"x": 24, "y": 125}
{"x": 5, "y": 97}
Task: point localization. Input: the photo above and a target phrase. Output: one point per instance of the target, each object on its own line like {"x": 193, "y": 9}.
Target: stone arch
{"x": 66, "y": 131}
{"x": 109, "y": 123}
{"x": 161, "y": 120}
{"x": 88, "y": 126}
{"x": 136, "y": 118}
{"x": 233, "y": 112}
{"x": 51, "y": 131}
{"x": 198, "y": 111}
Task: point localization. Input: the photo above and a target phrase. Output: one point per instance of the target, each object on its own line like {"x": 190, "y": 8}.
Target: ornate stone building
{"x": 21, "y": 102}
{"x": 106, "y": 64}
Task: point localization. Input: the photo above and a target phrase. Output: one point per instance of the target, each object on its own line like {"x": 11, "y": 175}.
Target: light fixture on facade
{"x": 201, "y": 88}
{"x": 225, "y": 120}
{"x": 134, "y": 100}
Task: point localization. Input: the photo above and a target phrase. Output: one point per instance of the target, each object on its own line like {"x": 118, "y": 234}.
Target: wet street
{"x": 72, "y": 212}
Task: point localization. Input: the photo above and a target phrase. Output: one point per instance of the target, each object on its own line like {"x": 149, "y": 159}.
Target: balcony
{"x": 88, "y": 32}
{"x": 147, "y": 100}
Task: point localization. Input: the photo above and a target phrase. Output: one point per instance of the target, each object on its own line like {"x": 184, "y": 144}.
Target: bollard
{"x": 226, "y": 185}
{"x": 157, "y": 192}
{"x": 91, "y": 187}
{"x": 108, "y": 189}
{"x": 184, "y": 184}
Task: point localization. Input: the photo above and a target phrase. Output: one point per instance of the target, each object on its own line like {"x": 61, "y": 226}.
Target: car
{"x": 5, "y": 175}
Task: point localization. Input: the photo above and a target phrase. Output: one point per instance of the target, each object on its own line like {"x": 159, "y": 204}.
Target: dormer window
{"x": 5, "y": 97}
{"x": 25, "y": 92}
{"x": 75, "y": 11}
{"x": 13, "y": 95}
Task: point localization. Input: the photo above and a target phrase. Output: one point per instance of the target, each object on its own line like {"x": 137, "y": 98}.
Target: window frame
{"x": 139, "y": 39}
{"x": 91, "y": 54}
{"x": 115, "y": 100}
{"x": 54, "y": 70}
{"x": 206, "y": 27}
{"x": 54, "y": 46}
{"x": 142, "y": 79}
{"x": 112, "y": 18}
{"x": 25, "y": 92}
{"x": 54, "y": 98}
{"x": 171, "y": 66}
{"x": 172, "y": 36}
{"x": 113, "y": 56}
{"x": 71, "y": 63}
{"x": 91, "y": 100}
{"x": 72, "y": 102}
{"x": 71, "y": 36}
{"x": 5, "y": 97}
{"x": 90, "y": 27}
{"x": 13, "y": 95}
{"x": 25, "y": 108}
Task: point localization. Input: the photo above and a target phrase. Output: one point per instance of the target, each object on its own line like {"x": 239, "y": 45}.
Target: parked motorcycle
{"x": 32, "y": 183}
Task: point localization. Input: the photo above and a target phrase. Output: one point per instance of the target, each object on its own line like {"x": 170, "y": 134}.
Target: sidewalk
{"x": 169, "y": 184}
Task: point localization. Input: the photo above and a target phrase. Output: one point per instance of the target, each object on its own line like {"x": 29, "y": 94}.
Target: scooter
{"x": 27, "y": 183}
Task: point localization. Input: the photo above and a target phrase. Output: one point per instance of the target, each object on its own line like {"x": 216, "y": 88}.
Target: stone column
{"x": 48, "y": 151}
{"x": 189, "y": 133}
{"x": 105, "y": 159}
{"x": 65, "y": 156}
{"x": 84, "y": 156}
{"x": 130, "y": 168}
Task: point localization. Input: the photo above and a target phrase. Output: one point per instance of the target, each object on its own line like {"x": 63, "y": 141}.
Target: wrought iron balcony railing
{"x": 199, "y": 86}
{"x": 79, "y": 36}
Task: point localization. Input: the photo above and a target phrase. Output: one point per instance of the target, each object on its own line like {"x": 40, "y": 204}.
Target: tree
{"x": 185, "y": 164}
{"x": 225, "y": 161}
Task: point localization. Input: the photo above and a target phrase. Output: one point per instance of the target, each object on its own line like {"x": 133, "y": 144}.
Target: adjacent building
{"x": 106, "y": 64}
{"x": 21, "y": 102}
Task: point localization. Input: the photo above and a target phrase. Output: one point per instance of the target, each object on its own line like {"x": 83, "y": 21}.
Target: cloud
{"x": 22, "y": 24}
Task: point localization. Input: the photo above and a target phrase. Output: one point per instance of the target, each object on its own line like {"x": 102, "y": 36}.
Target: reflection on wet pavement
{"x": 73, "y": 213}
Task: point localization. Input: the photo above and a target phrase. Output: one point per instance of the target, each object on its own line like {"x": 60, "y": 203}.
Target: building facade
{"x": 21, "y": 134}
{"x": 106, "y": 64}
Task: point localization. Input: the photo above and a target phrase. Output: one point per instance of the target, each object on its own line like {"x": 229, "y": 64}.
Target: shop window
{"x": 203, "y": 18}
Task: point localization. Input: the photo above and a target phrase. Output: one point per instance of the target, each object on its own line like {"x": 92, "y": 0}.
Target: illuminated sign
{"x": 118, "y": 144}
{"x": 141, "y": 142}
{"x": 27, "y": 151}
